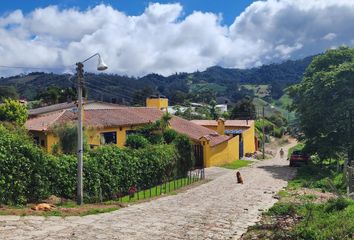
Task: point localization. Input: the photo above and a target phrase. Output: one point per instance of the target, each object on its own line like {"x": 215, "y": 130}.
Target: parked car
{"x": 297, "y": 158}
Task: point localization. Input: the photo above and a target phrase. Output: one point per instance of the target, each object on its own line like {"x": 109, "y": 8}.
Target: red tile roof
{"x": 216, "y": 139}
{"x": 228, "y": 123}
{"x": 126, "y": 116}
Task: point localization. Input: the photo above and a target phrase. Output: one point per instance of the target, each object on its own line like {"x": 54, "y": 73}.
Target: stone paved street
{"x": 219, "y": 209}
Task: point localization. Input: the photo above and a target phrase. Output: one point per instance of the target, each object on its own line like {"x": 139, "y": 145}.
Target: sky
{"x": 140, "y": 37}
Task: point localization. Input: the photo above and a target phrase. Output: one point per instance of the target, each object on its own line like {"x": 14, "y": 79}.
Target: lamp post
{"x": 80, "y": 82}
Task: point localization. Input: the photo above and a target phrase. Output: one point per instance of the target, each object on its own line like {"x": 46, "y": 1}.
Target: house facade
{"x": 244, "y": 129}
{"x": 111, "y": 124}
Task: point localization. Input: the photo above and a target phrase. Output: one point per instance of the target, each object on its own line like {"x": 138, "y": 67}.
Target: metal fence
{"x": 165, "y": 187}
{"x": 350, "y": 179}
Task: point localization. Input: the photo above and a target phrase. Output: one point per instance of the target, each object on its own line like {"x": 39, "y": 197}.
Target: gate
{"x": 241, "y": 149}
{"x": 198, "y": 156}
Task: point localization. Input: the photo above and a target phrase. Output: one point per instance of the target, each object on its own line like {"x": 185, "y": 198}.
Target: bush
{"x": 169, "y": 135}
{"x": 185, "y": 160}
{"x": 136, "y": 141}
{"x": 24, "y": 169}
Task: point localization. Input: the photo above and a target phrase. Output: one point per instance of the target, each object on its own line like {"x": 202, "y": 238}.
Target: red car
{"x": 297, "y": 158}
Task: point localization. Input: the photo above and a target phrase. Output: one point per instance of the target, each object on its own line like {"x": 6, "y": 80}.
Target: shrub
{"x": 136, "y": 141}
{"x": 67, "y": 134}
{"x": 24, "y": 169}
{"x": 13, "y": 111}
{"x": 169, "y": 135}
{"x": 30, "y": 175}
{"x": 185, "y": 160}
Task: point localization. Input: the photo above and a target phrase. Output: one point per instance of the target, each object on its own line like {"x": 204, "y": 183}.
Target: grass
{"x": 329, "y": 220}
{"x": 300, "y": 215}
{"x": 237, "y": 164}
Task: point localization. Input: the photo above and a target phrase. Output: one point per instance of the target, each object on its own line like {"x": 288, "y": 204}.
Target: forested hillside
{"x": 198, "y": 86}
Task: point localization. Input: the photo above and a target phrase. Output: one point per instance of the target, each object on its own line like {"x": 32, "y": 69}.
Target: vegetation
{"x": 322, "y": 101}
{"x": 244, "y": 109}
{"x": 136, "y": 141}
{"x": 14, "y": 112}
{"x": 67, "y": 135}
{"x": 8, "y": 92}
{"x": 307, "y": 209}
{"x": 194, "y": 87}
{"x": 237, "y": 164}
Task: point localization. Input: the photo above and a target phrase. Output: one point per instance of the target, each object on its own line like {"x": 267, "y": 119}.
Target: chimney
{"x": 221, "y": 126}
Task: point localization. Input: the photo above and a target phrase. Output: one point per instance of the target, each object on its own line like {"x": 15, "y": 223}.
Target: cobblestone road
{"x": 219, "y": 209}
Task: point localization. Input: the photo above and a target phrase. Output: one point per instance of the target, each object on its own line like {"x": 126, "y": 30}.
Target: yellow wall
{"x": 93, "y": 136}
{"x": 160, "y": 103}
{"x": 248, "y": 135}
{"x": 220, "y": 154}
{"x": 48, "y": 138}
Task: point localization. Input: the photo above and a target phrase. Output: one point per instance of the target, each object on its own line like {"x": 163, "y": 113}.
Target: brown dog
{"x": 239, "y": 178}
{"x": 43, "y": 207}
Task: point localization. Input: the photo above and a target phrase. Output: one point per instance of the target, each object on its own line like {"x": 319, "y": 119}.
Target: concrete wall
{"x": 220, "y": 154}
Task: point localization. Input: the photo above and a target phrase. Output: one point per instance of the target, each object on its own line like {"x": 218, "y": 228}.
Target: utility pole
{"x": 80, "y": 82}
{"x": 263, "y": 132}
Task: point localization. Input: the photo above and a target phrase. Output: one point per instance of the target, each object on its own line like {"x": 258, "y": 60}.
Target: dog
{"x": 43, "y": 207}
{"x": 239, "y": 178}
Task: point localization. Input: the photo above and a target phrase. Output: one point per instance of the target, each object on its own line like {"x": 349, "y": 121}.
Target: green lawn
{"x": 237, "y": 164}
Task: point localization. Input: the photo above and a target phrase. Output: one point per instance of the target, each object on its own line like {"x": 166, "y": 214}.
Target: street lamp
{"x": 80, "y": 82}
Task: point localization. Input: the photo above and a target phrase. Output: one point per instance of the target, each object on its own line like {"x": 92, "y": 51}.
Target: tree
{"x": 13, "y": 111}
{"x": 322, "y": 101}
{"x": 165, "y": 121}
{"x": 8, "y": 92}
{"x": 244, "y": 109}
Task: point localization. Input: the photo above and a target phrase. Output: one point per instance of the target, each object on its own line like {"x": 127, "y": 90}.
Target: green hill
{"x": 198, "y": 86}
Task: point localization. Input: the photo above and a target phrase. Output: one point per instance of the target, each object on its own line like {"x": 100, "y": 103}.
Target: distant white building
{"x": 221, "y": 108}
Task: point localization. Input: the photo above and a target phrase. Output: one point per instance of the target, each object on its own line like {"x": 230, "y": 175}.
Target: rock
{"x": 54, "y": 200}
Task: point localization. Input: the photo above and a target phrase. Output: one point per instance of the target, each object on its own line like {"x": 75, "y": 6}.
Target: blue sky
{"x": 228, "y": 8}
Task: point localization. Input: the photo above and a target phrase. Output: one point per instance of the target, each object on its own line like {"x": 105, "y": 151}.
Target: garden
{"x": 156, "y": 161}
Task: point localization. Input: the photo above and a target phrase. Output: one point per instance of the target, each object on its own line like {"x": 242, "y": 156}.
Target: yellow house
{"x": 112, "y": 125}
{"x": 244, "y": 129}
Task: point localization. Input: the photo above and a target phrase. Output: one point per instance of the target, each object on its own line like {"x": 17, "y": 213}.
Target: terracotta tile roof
{"x": 68, "y": 106}
{"x": 125, "y": 116}
{"x": 216, "y": 139}
{"x": 192, "y": 130}
{"x": 228, "y": 123}
{"x": 43, "y": 122}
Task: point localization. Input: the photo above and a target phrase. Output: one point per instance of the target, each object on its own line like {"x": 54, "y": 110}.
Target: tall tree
{"x": 244, "y": 109}
{"x": 323, "y": 99}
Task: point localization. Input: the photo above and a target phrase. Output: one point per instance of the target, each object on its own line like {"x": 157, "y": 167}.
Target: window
{"x": 109, "y": 138}
{"x": 42, "y": 143}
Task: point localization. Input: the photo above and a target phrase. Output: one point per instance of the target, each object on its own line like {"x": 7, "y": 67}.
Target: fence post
{"x": 350, "y": 179}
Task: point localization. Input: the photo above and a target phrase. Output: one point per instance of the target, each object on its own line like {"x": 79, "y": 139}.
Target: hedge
{"x": 27, "y": 174}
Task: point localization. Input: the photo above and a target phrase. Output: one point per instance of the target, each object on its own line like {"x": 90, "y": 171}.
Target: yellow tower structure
{"x": 157, "y": 101}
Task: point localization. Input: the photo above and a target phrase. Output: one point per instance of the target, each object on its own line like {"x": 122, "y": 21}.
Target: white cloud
{"x": 165, "y": 41}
